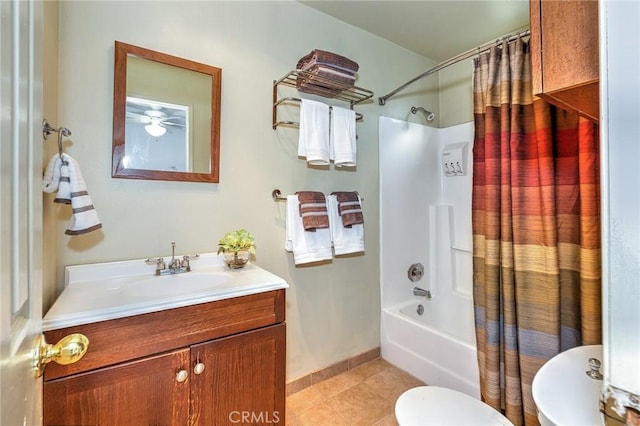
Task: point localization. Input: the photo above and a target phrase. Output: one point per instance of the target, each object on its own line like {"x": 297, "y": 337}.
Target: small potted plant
{"x": 237, "y": 246}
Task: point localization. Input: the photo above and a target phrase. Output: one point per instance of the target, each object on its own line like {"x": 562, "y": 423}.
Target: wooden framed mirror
{"x": 166, "y": 117}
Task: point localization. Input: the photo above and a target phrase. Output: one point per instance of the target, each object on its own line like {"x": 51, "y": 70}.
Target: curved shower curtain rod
{"x": 469, "y": 53}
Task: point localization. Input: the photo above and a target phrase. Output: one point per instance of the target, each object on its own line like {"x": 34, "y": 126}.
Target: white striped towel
{"x": 63, "y": 174}
{"x": 85, "y": 218}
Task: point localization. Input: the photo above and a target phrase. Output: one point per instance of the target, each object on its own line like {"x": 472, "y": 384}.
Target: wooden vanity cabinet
{"x": 243, "y": 375}
{"x": 564, "y": 54}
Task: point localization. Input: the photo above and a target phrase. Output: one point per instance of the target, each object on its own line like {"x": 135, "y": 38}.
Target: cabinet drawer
{"x": 128, "y": 338}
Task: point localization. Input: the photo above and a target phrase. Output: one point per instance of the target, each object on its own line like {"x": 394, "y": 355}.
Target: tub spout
{"x": 417, "y": 291}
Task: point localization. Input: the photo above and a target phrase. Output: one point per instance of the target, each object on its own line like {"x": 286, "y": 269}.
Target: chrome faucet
{"x": 176, "y": 265}
{"x": 417, "y": 291}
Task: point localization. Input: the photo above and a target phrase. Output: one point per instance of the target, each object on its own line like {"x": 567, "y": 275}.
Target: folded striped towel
{"x": 349, "y": 208}
{"x": 313, "y": 210}
{"x": 324, "y": 80}
{"x": 323, "y": 57}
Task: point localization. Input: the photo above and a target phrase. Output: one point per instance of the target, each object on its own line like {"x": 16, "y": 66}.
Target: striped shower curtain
{"x": 536, "y": 230}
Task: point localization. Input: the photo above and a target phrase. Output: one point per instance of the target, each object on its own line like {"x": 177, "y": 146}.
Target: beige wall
{"x": 456, "y": 94}
{"x": 332, "y": 310}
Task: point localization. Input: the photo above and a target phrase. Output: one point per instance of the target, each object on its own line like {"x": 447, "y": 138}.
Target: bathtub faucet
{"x": 417, "y": 291}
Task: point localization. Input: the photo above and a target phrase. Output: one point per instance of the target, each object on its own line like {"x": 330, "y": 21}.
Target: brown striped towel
{"x": 349, "y": 208}
{"x": 323, "y": 57}
{"x": 325, "y": 81}
{"x": 313, "y": 210}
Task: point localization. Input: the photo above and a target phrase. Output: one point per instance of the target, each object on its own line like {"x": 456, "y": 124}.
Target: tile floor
{"x": 362, "y": 396}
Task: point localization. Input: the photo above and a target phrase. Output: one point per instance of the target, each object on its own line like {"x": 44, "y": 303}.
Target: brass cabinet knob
{"x": 181, "y": 376}
{"x": 68, "y": 350}
{"x": 198, "y": 368}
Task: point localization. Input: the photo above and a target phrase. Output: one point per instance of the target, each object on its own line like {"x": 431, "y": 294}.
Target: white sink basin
{"x": 564, "y": 393}
{"x": 104, "y": 291}
{"x": 176, "y": 285}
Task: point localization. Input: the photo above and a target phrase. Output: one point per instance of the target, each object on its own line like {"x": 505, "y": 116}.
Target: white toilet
{"x": 433, "y": 405}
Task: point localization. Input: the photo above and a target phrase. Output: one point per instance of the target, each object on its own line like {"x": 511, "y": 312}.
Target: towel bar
{"x": 277, "y": 195}
{"x": 281, "y": 101}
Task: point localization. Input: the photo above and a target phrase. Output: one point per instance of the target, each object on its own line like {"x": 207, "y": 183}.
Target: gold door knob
{"x": 181, "y": 376}
{"x": 68, "y": 350}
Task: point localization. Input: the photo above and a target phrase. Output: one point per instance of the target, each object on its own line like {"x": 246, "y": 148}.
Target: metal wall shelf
{"x": 322, "y": 86}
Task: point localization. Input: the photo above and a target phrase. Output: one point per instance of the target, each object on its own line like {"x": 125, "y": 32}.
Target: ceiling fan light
{"x": 155, "y": 129}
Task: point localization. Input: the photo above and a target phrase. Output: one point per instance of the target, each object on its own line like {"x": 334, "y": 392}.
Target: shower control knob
{"x": 415, "y": 272}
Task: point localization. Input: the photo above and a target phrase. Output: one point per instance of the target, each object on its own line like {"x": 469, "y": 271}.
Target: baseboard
{"x": 333, "y": 370}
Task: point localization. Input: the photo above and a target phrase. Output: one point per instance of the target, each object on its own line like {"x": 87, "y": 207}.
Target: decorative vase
{"x": 236, "y": 259}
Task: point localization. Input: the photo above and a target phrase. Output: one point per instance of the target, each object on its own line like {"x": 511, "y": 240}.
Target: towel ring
{"x": 47, "y": 129}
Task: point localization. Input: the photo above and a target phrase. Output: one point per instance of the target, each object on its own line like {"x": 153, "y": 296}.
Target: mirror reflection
{"x": 166, "y": 117}
{"x": 157, "y": 136}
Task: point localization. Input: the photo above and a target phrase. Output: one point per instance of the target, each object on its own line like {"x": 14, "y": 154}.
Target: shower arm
{"x": 427, "y": 114}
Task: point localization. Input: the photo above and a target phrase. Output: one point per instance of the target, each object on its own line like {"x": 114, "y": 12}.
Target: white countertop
{"x": 104, "y": 291}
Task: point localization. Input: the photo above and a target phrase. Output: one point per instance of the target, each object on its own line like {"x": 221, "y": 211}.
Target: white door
{"x": 20, "y": 210}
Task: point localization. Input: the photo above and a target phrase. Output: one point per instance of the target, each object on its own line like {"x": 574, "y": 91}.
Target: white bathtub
{"x": 437, "y": 347}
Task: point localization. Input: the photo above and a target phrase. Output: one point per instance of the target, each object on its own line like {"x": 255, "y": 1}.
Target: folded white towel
{"x": 345, "y": 240}
{"x": 307, "y": 247}
{"x": 342, "y": 144}
{"x": 313, "y": 137}
{"x": 85, "y": 218}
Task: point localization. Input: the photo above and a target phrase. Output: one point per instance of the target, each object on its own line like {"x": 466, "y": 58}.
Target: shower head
{"x": 427, "y": 114}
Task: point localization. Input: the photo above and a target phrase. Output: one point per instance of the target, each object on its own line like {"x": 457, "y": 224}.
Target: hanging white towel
{"x": 342, "y": 144}
{"x": 85, "y": 218}
{"x": 56, "y": 178}
{"x": 64, "y": 187}
{"x": 307, "y": 247}
{"x": 345, "y": 240}
{"x": 63, "y": 174}
{"x": 51, "y": 178}
{"x": 313, "y": 139}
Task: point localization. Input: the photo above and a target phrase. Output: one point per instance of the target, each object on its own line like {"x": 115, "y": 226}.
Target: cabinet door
{"x": 143, "y": 392}
{"x": 564, "y": 54}
{"x": 243, "y": 381}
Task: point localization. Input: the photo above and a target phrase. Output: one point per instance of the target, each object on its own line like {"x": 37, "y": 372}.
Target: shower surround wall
{"x": 426, "y": 218}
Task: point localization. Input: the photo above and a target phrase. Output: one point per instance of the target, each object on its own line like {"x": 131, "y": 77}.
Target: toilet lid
{"x": 432, "y": 405}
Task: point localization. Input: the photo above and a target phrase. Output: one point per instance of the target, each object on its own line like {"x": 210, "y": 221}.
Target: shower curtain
{"x": 536, "y": 230}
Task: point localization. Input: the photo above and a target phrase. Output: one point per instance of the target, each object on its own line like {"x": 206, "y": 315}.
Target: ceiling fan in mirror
{"x": 156, "y": 116}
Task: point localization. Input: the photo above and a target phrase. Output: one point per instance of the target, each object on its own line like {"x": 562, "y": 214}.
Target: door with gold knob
{"x": 20, "y": 209}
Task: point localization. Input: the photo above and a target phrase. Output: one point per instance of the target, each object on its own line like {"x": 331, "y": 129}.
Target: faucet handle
{"x": 160, "y": 265}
